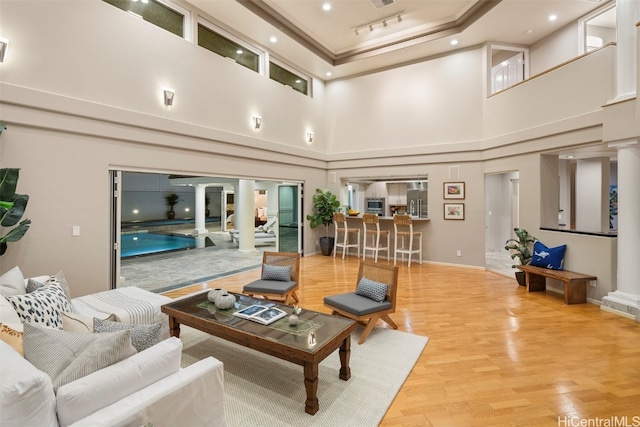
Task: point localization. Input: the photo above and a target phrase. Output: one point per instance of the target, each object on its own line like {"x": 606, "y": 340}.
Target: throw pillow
{"x": 12, "y": 282}
{"x": 68, "y": 356}
{"x": 12, "y": 336}
{"x": 551, "y": 258}
{"x": 142, "y": 336}
{"x": 58, "y": 280}
{"x": 43, "y": 306}
{"x": 371, "y": 289}
{"x": 73, "y": 322}
{"x": 281, "y": 273}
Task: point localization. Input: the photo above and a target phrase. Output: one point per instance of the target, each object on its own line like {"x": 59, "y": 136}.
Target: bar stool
{"x": 372, "y": 221}
{"x": 403, "y": 229}
{"x": 340, "y": 222}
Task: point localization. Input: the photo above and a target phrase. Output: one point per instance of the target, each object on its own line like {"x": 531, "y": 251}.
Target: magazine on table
{"x": 261, "y": 314}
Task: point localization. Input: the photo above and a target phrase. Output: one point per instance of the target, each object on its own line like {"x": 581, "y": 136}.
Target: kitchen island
{"x": 386, "y": 223}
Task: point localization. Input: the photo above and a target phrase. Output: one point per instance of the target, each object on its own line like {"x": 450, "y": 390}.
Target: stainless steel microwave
{"x": 374, "y": 205}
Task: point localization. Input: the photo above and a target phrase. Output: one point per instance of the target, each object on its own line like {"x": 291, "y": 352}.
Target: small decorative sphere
{"x": 213, "y": 294}
{"x": 225, "y": 301}
{"x": 293, "y": 320}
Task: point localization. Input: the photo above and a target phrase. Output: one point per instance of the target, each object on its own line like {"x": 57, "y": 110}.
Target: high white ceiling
{"x": 320, "y": 41}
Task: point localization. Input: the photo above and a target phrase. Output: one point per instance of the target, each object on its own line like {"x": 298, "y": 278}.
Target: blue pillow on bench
{"x": 545, "y": 257}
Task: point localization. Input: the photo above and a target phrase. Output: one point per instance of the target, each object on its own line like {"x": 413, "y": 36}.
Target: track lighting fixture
{"x": 384, "y": 21}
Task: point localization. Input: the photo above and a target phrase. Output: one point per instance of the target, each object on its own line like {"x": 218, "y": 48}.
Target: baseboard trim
{"x": 618, "y": 312}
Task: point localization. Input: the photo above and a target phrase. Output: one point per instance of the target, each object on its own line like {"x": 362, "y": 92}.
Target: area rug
{"x": 262, "y": 390}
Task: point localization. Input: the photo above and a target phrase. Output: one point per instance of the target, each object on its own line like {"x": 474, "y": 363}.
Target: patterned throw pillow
{"x": 142, "y": 336}
{"x": 371, "y": 289}
{"x": 281, "y": 273}
{"x": 551, "y": 258}
{"x": 12, "y": 336}
{"x": 58, "y": 280}
{"x": 68, "y": 356}
{"x": 43, "y": 307}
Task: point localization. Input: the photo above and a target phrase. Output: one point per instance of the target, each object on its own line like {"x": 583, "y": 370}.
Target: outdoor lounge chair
{"x": 280, "y": 277}
{"x": 263, "y": 234}
{"x": 373, "y": 299}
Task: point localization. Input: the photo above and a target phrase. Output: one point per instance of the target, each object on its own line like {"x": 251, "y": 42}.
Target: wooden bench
{"x": 575, "y": 284}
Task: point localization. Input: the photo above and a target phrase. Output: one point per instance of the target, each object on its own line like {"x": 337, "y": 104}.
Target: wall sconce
{"x": 309, "y": 137}
{"x": 168, "y": 97}
{"x": 4, "y": 44}
{"x": 257, "y": 122}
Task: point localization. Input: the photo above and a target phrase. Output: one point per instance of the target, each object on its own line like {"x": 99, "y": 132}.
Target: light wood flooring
{"x": 497, "y": 355}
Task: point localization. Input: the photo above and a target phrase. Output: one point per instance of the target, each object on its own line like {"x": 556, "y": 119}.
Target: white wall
{"x": 93, "y": 51}
{"x": 556, "y": 48}
{"x": 414, "y": 106}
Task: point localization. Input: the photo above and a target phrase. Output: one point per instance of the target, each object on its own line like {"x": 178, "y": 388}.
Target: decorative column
{"x": 244, "y": 215}
{"x": 627, "y": 15}
{"x": 626, "y": 298}
{"x": 200, "y": 208}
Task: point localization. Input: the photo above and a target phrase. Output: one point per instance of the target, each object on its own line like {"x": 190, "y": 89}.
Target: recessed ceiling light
{"x": 239, "y": 51}
{"x": 328, "y": 73}
{"x": 553, "y": 17}
{"x": 454, "y": 42}
{"x": 326, "y": 6}
{"x": 528, "y": 32}
{"x": 273, "y": 39}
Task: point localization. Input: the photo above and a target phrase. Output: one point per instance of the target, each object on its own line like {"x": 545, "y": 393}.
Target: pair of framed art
{"x": 454, "y": 191}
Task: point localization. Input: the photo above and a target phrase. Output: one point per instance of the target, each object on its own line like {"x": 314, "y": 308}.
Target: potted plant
{"x": 520, "y": 248}
{"x": 12, "y": 208}
{"x": 325, "y": 203}
{"x": 172, "y": 199}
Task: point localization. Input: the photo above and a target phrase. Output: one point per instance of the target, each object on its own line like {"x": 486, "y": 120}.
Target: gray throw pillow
{"x": 371, "y": 289}
{"x": 58, "y": 280}
{"x": 281, "y": 273}
{"x": 68, "y": 356}
{"x": 142, "y": 336}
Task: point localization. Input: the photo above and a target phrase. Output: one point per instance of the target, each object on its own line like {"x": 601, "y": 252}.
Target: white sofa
{"x": 148, "y": 388}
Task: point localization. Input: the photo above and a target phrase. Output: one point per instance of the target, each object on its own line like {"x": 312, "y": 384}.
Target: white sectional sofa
{"x": 148, "y": 388}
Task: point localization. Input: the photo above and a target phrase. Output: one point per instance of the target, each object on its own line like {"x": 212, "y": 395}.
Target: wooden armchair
{"x": 373, "y": 299}
{"x": 280, "y": 277}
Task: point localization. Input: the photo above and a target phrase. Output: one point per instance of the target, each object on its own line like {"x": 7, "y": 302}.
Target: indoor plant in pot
{"x": 172, "y": 200}
{"x": 12, "y": 208}
{"x": 520, "y": 248}
{"x": 325, "y": 203}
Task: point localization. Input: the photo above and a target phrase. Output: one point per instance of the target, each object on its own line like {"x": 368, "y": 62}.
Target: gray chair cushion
{"x": 269, "y": 286}
{"x": 356, "y": 304}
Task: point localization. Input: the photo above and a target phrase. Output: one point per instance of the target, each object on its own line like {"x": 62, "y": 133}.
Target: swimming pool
{"x": 137, "y": 244}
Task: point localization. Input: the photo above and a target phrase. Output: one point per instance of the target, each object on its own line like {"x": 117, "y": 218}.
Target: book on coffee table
{"x": 261, "y": 314}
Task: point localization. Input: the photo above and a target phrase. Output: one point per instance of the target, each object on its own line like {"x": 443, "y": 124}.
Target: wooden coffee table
{"x": 307, "y": 344}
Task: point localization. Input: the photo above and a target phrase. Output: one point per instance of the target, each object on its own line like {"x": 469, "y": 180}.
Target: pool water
{"x": 137, "y": 244}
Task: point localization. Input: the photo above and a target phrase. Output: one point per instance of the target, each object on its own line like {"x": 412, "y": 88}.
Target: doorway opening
{"x": 502, "y": 193}
{"x": 199, "y": 241}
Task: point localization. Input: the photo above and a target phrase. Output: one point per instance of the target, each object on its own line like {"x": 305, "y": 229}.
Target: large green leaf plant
{"x": 521, "y": 247}
{"x": 12, "y": 208}
{"x": 325, "y": 203}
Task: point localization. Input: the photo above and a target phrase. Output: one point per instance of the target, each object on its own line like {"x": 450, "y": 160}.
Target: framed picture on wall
{"x": 454, "y": 190}
{"x": 454, "y": 211}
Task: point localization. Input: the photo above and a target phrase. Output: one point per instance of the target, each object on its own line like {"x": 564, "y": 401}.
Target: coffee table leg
{"x": 174, "y": 327}
{"x": 345, "y": 353}
{"x": 311, "y": 384}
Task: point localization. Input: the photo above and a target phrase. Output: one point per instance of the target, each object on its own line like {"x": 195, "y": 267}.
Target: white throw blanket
{"x": 129, "y": 305}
